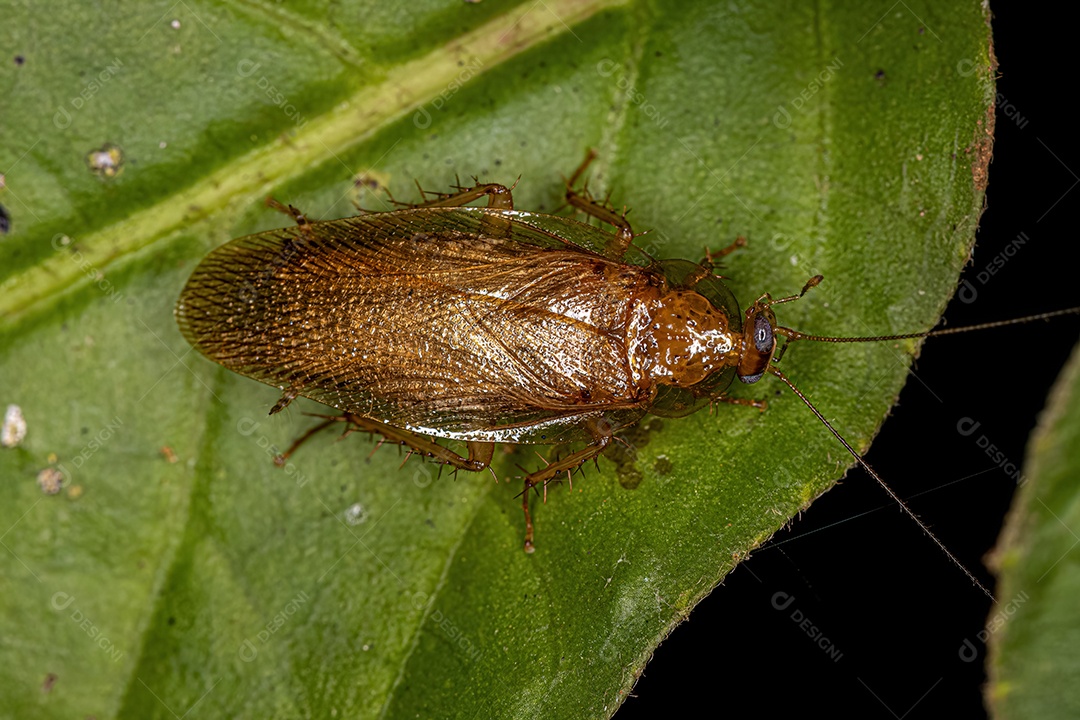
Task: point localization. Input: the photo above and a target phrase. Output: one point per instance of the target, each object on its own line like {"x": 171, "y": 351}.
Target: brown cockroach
{"x": 485, "y": 325}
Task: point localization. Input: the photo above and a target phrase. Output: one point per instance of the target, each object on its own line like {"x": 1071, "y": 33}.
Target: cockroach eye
{"x": 763, "y": 334}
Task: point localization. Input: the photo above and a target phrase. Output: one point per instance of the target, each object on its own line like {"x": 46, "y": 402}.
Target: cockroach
{"x": 486, "y": 325}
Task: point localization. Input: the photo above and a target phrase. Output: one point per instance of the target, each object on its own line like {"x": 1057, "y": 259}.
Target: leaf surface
{"x": 837, "y": 140}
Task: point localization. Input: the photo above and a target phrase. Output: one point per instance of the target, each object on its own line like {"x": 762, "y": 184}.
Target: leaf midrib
{"x": 350, "y": 122}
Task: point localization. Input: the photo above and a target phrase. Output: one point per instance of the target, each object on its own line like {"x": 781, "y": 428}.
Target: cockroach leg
{"x": 499, "y": 197}
{"x": 810, "y": 284}
{"x": 542, "y": 477}
{"x": 281, "y": 458}
{"x": 299, "y": 217}
{"x": 479, "y": 458}
{"x": 583, "y": 201}
{"x": 286, "y": 397}
{"x": 740, "y": 242}
{"x": 603, "y": 433}
{"x": 480, "y": 453}
{"x": 706, "y": 267}
{"x": 378, "y": 445}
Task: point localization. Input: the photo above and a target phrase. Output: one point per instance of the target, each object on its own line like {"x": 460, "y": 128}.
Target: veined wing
{"x": 454, "y": 322}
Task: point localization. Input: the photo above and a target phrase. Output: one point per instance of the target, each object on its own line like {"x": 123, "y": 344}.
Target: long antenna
{"x": 866, "y": 466}
{"x": 793, "y": 335}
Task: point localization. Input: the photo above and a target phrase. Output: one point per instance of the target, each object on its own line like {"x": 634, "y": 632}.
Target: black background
{"x": 862, "y": 573}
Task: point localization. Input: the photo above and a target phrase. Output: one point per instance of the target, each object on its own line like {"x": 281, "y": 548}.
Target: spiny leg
{"x": 582, "y": 200}
{"x": 289, "y": 210}
{"x": 740, "y": 242}
{"x": 602, "y": 433}
{"x": 281, "y": 458}
{"x": 788, "y": 334}
{"x": 810, "y": 284}
{"x": 479, "y": 458}
{"x": 705, "y": 267}
{"x": 286, "y": 397}
{"x": 499, "y": 197}
{"x": 299, "y": 217}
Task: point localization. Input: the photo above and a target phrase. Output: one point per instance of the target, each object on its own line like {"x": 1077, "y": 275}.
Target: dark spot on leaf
{"x": 662, "y": 466}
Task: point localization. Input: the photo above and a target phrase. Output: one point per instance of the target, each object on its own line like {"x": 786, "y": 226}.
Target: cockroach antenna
{"x": 792, "y": 335}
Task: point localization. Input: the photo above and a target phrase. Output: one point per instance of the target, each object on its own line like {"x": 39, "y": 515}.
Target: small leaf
{"x": 1032, "y": 631}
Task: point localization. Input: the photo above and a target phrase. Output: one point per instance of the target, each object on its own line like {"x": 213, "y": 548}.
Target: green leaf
{"x": 1032, "y": 631}
{"x": 836, "y": 139}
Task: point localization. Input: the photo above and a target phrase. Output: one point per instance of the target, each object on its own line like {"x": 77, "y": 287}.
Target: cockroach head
{"x": 759, "y": 342}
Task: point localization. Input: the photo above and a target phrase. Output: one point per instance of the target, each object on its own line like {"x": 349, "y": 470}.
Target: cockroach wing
{"x": 466, "y": 323}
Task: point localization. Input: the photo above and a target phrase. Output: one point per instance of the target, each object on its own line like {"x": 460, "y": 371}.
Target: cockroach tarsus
{"x": 488, "y": 325}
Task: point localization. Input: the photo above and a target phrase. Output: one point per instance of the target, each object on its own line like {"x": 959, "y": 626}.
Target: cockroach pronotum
{"x": 488, "y": 324}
